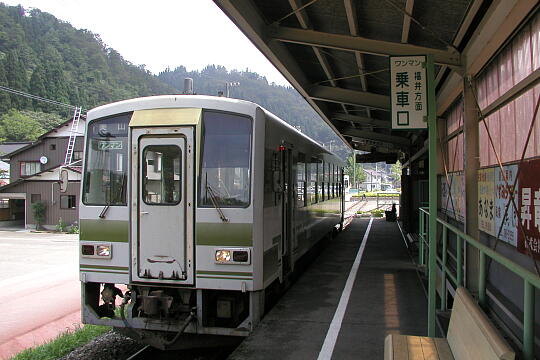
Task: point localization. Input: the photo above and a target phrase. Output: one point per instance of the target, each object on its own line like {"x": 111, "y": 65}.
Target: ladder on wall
{"x": 72, "y": 136}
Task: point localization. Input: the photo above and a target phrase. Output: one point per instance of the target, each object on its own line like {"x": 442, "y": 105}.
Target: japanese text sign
{"x": 408, "y": 83}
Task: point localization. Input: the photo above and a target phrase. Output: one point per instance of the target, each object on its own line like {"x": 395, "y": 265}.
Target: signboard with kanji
{"x": 509, "y": 231}
{"x": 529, "y": 207}
{"x": 408, "y": 83}
{"x": 452, "y": 195}
{"x": 486, "y": 200}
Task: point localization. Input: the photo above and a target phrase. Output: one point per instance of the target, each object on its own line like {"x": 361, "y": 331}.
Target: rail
{"x": 530, "y": 280}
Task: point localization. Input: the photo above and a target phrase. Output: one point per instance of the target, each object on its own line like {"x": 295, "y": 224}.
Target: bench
{"x": 470, "y": 336}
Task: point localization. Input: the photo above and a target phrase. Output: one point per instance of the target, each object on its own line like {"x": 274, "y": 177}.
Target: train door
{"x": 288, "y": 210}
{"x": 162, "y": 212}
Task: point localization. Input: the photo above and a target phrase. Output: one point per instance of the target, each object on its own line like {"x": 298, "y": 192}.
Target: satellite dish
{"x": 64, "y": 177}
{"x": 43, "y": 160}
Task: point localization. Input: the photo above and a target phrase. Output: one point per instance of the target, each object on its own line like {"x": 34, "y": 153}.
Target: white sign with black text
{"x": 408, "y": 82}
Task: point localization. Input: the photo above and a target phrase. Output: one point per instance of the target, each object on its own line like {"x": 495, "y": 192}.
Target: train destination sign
{"x": 408, "y": 82}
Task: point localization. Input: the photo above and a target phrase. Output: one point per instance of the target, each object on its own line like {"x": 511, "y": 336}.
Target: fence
{"x": 455, "y": 274}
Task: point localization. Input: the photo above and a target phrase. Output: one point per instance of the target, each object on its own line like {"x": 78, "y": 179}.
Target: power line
{"x": 35, "y": 97}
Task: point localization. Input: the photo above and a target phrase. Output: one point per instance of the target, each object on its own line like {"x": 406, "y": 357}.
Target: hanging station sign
{"x": 408, "y": 83}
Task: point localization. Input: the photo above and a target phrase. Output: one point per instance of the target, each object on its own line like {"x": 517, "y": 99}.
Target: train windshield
{"x": 225, "y": 174}
{"x": 105, "y": 179}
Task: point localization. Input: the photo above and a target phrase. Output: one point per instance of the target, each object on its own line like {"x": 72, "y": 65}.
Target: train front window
{"x": 225, "y": 172}
{"x": 105, "y": 177}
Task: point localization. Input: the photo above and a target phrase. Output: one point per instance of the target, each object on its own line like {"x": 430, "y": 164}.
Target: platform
{"x": 386, "y": 297}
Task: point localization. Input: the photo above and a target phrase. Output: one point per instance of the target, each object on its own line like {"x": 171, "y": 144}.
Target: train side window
{"x": 301, "y": 179}
{"x": 320, "y": 180}
{"x": 226, "y": 160}
{"x": 312, "y": 189}
{"x": 162, "y": 175}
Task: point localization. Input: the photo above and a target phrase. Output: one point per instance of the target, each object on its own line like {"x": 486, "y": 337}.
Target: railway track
{"x": 149, "y": 352}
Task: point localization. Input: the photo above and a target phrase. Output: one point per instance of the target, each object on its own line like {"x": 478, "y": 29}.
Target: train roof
{"x": 191, "y": 101}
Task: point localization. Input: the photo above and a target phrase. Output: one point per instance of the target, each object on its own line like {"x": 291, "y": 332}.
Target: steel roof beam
{"x": 357, "y": 43}
{"x": 247, "y": 17}
{"x": 303, "y": 19}
{"x": 357, "y": 133}
{"x": 351, "y": 97}
{"x": 350, "y": 10}
{"x": 363, "y": 120}
{"x": 407, "y": 21}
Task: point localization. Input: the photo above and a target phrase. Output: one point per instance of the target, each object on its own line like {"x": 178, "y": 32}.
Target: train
{"x": 193, "y": 210}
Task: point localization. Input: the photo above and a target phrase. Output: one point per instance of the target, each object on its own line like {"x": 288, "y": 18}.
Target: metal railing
{"x": 455, "y": 274}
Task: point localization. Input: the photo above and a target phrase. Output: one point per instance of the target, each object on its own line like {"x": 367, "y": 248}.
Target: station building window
{"x": 68, "y": 202}
{"x": 29, "y": 168}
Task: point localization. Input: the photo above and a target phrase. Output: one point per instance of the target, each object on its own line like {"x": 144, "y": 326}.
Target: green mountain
{"x": 44, "y": 56}
{"x": 47, "y": 57}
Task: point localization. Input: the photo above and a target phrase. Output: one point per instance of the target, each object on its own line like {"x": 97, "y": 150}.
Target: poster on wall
{"x": 509, "y": 232}
{"x": 452, "y": 195}
{"x": 529, "y": 207}
{"x": 486, "y": 200}
{"x": 458, "y": 195}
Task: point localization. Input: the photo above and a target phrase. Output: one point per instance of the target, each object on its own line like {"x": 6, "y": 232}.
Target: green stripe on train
{"x": 104, "y": 267}
{"x": 232, "y": 273}
{"x": 223, "y": 278}
{"x": 104, "y": 230}
{"x": 224, "y": 234}
{"x": 105, "y": 272}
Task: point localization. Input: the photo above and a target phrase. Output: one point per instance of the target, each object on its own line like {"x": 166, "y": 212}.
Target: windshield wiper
{"x": 213, "y": 198}
{"x": 104, "y": 211}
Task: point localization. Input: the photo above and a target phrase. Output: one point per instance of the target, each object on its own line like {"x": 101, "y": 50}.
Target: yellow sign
{"x": 486, "y": 200}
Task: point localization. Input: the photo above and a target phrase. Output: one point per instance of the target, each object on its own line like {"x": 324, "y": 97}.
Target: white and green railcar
{"x": 191, "y": 208}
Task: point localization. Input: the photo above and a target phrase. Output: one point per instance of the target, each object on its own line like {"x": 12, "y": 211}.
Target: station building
{"x": 485, "y": 153}
{"x": 34, "y": 170}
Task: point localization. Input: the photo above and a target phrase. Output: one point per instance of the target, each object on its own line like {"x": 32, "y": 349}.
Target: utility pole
{"x": 228, "y": 86}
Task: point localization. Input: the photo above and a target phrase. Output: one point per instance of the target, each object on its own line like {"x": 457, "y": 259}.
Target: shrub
{"x": 38, "y": 209}
{"x": 74, "y": 228}
{"x": 61, "y": 226}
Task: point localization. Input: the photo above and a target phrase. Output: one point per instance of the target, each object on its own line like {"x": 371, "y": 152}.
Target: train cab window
{"x": 105, "y": 176}
{"x": 226, "y": 161}
{"x": 162, "y": 175}
{"x": 301, "y": 180}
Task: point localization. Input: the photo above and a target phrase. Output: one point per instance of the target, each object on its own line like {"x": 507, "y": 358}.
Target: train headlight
{"x": 104, "y": 250}
{"x": 233, "y": 256}
{"x": 223, "y": 256}
{"x": 96, "y": 251}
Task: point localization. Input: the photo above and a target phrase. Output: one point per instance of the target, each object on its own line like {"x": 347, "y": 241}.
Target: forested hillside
{"x": 47, "y": 57}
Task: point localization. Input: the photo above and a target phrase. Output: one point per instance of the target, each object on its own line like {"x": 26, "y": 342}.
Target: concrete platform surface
{"x": 386, "y": 296}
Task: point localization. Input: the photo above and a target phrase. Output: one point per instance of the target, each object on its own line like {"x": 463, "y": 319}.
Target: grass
{"x": 63, "y": 344}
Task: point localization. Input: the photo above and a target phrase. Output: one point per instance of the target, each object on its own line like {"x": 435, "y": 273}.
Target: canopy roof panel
{"x": 335, "y": 53}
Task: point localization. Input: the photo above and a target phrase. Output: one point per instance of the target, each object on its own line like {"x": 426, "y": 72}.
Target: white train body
{"x": 192, "y": 206}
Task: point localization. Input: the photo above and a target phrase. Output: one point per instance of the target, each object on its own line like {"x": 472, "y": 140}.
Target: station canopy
{"x": 336, "y": 54}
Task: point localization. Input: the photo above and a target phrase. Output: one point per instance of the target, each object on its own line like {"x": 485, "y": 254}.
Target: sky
{"x": 163, "y": 33}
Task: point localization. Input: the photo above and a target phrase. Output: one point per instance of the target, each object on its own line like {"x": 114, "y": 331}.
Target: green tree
{"x": 350, "y": 170}
{"x": 39, "y": 209}
{"x": 395, "y": 173}
{"x": 15, "y": 73}
{"x": 5, "y": 100}
{"x": 14, "y": 126}
{"x": 37, "y": 87}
